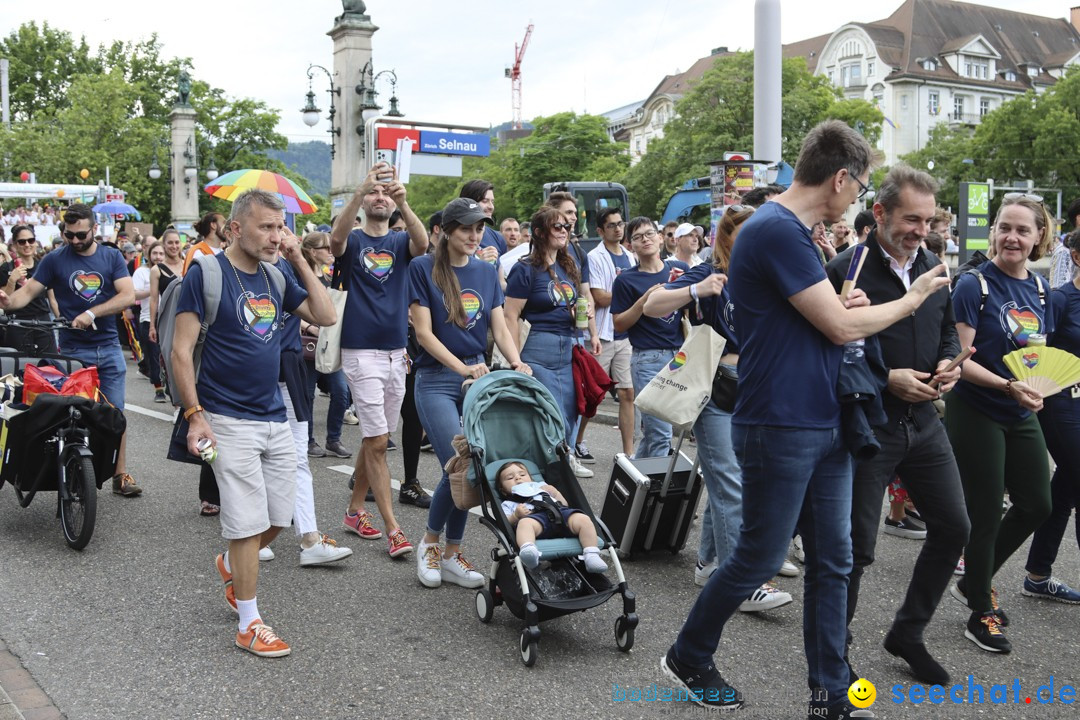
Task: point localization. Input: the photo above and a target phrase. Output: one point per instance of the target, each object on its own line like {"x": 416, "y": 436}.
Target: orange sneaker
{"x": 261, "y": 640}
{"x": 226, "y": 577}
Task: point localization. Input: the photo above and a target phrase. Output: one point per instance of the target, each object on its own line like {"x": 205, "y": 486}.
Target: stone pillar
{"x": 351, "y": 33}
{"x": 185, "y": 190}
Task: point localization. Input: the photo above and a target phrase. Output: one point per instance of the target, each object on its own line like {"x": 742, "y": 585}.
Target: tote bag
{"x": 328, "y": 349}
{"x": 682, "y": 388}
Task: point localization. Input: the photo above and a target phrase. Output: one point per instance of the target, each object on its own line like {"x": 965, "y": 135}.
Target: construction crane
{"x": 514, "y": 74}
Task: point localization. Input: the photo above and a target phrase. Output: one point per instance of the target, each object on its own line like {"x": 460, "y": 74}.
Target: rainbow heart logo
{"x": 258, "y": 315}
{"x": 1031, "y": 359}
{"x": 378, "y": 264}
{"x": 677, "y": 362}
{"x": 1022, "y": 324}
{"x": 472, "y": 304}
{"x": 562, "y": 293}
{"x": 86, "y": 285}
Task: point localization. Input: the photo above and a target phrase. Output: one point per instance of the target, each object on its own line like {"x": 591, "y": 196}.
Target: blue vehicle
{"x": 692, "y": 202}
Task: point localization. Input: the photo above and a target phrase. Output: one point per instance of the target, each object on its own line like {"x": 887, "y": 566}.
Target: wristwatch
{"x": 192, "y": 410}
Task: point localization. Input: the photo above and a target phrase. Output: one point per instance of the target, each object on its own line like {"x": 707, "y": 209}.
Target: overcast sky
{"x": 588, "y": 55}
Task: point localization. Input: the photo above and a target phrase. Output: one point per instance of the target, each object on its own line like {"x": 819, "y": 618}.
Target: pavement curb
{"x": 21, "y": 698}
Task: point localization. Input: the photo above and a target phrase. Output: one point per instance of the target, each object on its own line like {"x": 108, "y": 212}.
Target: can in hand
{"x": 207, "y": 451}
{"x": 581, "y": 314}
{"x": 675, "y": 273}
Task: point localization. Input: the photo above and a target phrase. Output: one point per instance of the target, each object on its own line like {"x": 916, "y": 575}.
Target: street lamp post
{"x": 312, "y": 113}
{"x": 369, "y": 106}
{"x": 191, "y": 167}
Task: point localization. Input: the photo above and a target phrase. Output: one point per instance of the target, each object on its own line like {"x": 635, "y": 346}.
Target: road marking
{"x": 151, "y": 413}
{"x": 394, "y": 484}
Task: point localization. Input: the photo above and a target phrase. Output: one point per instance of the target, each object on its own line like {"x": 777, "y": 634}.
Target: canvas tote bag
{"x": 682, "y": 388}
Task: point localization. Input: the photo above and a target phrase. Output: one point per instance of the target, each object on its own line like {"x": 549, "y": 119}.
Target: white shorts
{"x": 377, "y": 382}
{"x": 256, "y": 475}
{"x": 615, "y": 359}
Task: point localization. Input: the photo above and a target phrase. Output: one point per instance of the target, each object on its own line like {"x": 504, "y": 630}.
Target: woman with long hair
{"x": 543, "y": 289}
{"x": 162, "y": 274}
{"x": 454, "y": 298}
{"x": 13, "y": 275}
{"x": 140, "y": 279}
{"x": 990, "y": 417}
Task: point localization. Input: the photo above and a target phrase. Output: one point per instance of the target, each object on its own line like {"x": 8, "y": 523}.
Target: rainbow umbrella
{"x": 230, "y": 185}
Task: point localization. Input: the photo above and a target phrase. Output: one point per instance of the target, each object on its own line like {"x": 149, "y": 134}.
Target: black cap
{"x": 464, "y": 211}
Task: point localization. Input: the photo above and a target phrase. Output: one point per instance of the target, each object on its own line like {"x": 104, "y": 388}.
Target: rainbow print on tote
{"x": 86, "y": 284}
{"x": 677, "y": 362}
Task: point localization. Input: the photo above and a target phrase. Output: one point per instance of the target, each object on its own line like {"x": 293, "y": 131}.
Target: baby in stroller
{"x": 538, "y": 510}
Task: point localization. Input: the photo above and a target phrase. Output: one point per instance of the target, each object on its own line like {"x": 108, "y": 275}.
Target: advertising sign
{"x": 973, "y": 223}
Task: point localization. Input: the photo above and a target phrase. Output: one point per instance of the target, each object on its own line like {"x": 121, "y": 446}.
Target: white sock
{"x": 530, "y": 555}
{"x": 249, "y": 612}
{"x": 593, "y": 562}
{"x": 228, "y": 568}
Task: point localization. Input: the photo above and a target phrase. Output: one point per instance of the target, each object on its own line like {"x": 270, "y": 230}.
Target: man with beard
{"x": 841, "y": 235}
{"x": 374, "y": 335}
{"x": 913, "y": 443}
{"x": 90, "y": 282}
{"x": 211, "y": 229}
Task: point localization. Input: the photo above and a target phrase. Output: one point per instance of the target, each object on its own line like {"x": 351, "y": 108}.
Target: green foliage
{"x": 947, "y": 147}
{"x": 43, "y": 63}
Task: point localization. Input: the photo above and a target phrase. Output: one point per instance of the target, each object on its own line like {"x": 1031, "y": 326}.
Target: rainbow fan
{"x": 1048, "y": 370}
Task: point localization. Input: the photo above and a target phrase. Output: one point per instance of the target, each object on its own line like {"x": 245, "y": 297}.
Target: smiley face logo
{"x": 862, "y": 693}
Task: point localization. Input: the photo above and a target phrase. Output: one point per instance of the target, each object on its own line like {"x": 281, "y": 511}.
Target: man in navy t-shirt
{"x": 786, "y": 427}
{"x": 90, "y": 282}
{"x": 237, "y": 404}
{"x": 374, "y": 261}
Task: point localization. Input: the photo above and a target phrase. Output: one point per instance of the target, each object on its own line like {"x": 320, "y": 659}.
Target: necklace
{"x": 241, "y": 284}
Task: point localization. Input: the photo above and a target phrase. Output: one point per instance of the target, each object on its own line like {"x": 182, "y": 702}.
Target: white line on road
{"x": 150, "y": 413}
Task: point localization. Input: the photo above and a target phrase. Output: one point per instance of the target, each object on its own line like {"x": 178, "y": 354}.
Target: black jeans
{"x": 923, "y": 458}
{"x": 1060, "y": 420}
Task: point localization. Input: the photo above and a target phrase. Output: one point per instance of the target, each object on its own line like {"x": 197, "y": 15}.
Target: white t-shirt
{"x": 141, "y": 281}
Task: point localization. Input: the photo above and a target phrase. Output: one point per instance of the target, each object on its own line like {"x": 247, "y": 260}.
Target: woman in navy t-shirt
{"x": 543, "y": 289}
{"x": 454, "y": 298}
{"x": 990, "y": 416}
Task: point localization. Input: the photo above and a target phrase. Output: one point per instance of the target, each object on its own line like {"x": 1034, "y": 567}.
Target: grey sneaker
{"x": 334, "y": 448}
{"x": 313, "y": 450}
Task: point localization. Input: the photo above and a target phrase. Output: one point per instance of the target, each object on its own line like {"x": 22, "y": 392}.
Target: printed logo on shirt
{"x": 86, "y": 284}
{"x": 1019, "y": 323}
{"x": 474, "y": 307}
{"x": 729, "y": 316}
{"x": 670, "y": 318}
{"x": 379, "y": 265}
{"x": 677, "y": 362}
{"x": 258, "y": 315}
{"x": 561, "y": 293}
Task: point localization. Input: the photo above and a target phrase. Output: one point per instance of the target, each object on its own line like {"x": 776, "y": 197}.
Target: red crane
{"x": 514, "y": 74}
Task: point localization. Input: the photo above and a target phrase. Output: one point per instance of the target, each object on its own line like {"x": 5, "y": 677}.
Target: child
{"x": 517, "y": 488}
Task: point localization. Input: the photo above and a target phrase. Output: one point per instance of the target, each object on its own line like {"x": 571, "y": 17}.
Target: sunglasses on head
{"x": 81, "y": 234}
{"x": 1014, "y": 196}
{"x": 733, "y": 209}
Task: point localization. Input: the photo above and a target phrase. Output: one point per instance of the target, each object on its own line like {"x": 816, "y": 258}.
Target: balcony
{"x": 959, "y": 118}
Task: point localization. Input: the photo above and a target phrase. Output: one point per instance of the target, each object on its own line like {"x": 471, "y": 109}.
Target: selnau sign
{"x": 446, "y": 143}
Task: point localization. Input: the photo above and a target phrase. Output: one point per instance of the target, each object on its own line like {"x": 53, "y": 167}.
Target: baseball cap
{"x": 687, "y": 228}
{"x": 128, "y": 247}
{"x": 464, "y": 211}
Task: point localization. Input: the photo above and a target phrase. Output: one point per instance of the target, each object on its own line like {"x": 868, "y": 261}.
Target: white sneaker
{"x": 322, "y": 552}
{"x": 765, "y": 597}
{"x": 797, "y": 550}
{"x": 457, "y": 570}
{"x": 266, "y": 554}
{"x": 702, "y": 573}
{"x": 350, "y": 417}
{"x": 429, "y": 565}
{"x": 788, "y": 569}
{"x": 579, "y": 470}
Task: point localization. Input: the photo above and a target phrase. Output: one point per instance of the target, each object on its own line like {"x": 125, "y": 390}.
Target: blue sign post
{"x": 446, "y": 143}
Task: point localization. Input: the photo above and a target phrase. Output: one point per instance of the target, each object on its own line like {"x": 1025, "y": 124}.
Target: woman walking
{"x": 13, "y": 275}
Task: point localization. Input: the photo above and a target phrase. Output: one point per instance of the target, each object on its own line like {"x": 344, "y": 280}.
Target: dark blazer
{"x": 918, "y": 341}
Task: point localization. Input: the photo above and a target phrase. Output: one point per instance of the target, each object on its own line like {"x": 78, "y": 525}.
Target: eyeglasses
{"x": 865, "y": 188}
{"x": 647, "y": 235}
{"x": 81, "y": 234}
{"x": 615, "y": 226}
{"x": 562, "y": 226}
{"x": 321, "y": 247}
{"x": 1015, "y": 196}
{"x": 26, "y": 241}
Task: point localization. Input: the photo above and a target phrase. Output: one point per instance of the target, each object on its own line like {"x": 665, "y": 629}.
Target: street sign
{"x": 973, "y": 223}
{"x": 389, "y": 136}
{"x": 447, "y": 143}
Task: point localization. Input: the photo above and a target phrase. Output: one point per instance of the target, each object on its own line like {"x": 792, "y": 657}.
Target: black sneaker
{"x": 412, "y": 494}
{"x": 906, "y": 528}
{"x": 707, "y": 688}
{"x": 334, "y": 448}
{"x": 583, "y": 454}
{"x": 313, "y": 450}
{"x": 390, "y": 446}
{"x": 985, "y": 631}
{"x": 959, "y": 591}
{"x": 425, "y": 444}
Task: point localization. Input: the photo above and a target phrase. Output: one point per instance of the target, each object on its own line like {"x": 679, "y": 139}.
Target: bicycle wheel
{"x": 78, "y": 505}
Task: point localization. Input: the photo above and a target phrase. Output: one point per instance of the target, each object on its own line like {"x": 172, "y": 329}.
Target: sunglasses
{"x": 321, "y": 247}
{"x": 26, "y": 241}
{"x": 615, "y": 226}
{"x": 81, "y": 234}
{"x": 734, "y": 209}
{"x": 562, "y": 226}
{"x": 1014, "y": 196}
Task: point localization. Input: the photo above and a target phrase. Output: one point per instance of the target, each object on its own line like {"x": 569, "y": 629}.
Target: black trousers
{"x": 923, "y": 458}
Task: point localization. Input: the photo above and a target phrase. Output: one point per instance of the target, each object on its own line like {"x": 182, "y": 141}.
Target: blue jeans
{"x": 339, "y": 401}
{"x": 549, "y": 355}
{"x": 790, "y": 476}
{"x": 111, "y": 367}
{"x": 655, "y": 433}
{"x": 438, "y": 403}
{"x": 723, "y": 481}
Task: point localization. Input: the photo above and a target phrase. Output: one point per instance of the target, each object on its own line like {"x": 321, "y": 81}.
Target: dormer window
{"x": 1010, "y": 76}
{"x": 929, "y": 64}
{"x": 975, "y": 67}
{"x": 1033, "y": 70}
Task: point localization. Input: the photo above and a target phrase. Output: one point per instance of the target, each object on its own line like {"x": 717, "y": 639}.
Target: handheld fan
{"x": 1048, "y": 370}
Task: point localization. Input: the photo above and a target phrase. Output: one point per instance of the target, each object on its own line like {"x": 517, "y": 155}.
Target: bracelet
{"x": 192, "y": 410}
{"x": 693, "y": 292}
{"x": 1008, "y": 386}
{"x": 93, "y": 317}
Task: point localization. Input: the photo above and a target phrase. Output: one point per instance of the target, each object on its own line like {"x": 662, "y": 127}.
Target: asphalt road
{"x": 135, "y": 625}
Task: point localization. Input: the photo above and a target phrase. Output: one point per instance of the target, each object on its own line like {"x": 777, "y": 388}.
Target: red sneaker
{"x": 360, "y": 524}
{"x": 261, "y": 640}
{"x": 398, "y": 545}
{"x": 226, "y": 577}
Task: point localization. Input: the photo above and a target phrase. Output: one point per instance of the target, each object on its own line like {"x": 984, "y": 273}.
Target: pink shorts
{"x": 377, "y": 382}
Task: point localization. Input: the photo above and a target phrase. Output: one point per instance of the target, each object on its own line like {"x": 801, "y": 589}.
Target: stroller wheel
{"x": 529, "y": 649}
{"x": 624, "y": 634}
{"x": 485, "y": 606}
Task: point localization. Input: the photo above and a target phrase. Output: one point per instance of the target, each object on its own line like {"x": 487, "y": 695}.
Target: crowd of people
{"x": 430, "y": 305}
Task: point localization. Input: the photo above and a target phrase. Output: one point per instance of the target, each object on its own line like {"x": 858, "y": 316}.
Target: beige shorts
{"x": 377, "y": 381}
{"x": 615, "y": 359}
{"x": 256, "y": 475}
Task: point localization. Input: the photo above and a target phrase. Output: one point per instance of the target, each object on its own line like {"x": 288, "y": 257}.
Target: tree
{"x": 43, "y": 63}
{"x": 950, "y": 149}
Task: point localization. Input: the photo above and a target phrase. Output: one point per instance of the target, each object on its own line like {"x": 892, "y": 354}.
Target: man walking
{"x": 786, "y": 427}
{"x": 374, "y": 336}
{"x": 913, "y": 442}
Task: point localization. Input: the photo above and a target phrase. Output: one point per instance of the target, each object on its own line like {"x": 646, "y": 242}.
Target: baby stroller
{"x": 510, "y": 416}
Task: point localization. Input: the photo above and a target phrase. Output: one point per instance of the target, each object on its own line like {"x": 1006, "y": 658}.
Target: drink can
{"x": 1036, "y": 340}
{"x": 207, "y": 451}
{"x": 581, "y": 314}
{"x": 675, "y": 273}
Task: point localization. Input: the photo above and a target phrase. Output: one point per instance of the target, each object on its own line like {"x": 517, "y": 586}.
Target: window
{"x": 935, "y": 103}
{"x": 1010, "y": 76}
{"x": 984, "y": 107}
{"x": 870, "y": 68}
{"x": 829, "y": 74}
{"x": 929, "y": 64}
{"x": 1033, "y": 70}
{"x": 903, "y": 101}
{"x": 851, "y": 74}
{"x": 958, "y": 108}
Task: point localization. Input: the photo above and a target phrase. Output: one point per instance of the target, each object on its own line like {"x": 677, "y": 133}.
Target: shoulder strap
{"x": 984, "y": 289}
{"x": 212, "y": 281}
{"x": 1042, "y": 290}
{"x": 276, "y": 276}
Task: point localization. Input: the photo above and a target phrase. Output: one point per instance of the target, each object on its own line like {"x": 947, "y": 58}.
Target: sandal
{"x": 209, "y": 509}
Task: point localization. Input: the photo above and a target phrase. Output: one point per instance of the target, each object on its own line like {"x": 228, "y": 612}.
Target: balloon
{"x": 84, "y": 173}
{"x": 60, "y": 193}
{"x": 24, "y": 176}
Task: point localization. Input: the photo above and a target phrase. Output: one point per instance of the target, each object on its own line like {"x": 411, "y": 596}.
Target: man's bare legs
{"x": 244, "y": 562}
{"x": 371, "y": 471}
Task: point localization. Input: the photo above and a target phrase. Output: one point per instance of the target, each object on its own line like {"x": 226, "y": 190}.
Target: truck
{"x": 592, "y": 197}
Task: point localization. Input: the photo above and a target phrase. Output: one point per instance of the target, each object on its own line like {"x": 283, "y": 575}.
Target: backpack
{"x": 166, "y": 319}
{"x": 984, "y": 289}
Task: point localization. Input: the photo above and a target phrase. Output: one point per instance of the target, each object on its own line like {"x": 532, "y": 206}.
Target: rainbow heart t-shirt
{"x": 81, "y": 283}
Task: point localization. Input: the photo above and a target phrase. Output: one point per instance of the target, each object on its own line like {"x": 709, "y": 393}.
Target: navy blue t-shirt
{"x": 787, "y": 369}
{"x": 492, "y": 238}
{"x": 622, "y": 263}
{"x": 480, "y": 292}
{"x": 1012, "y": 312}
{"x": 716, "y": 310}
{"x": 80, "y": 283}
{"x": 377, "y": 308}
{"x": 549, "y": 304}
{"x": 241, "y": 357}
{"x": 1066, "y": 312}
{"x": 647, "y": 333}
{"x": 290, "y": 330}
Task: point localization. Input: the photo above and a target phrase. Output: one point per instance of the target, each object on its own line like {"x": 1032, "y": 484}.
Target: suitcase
{"x": 650, "y": 502}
